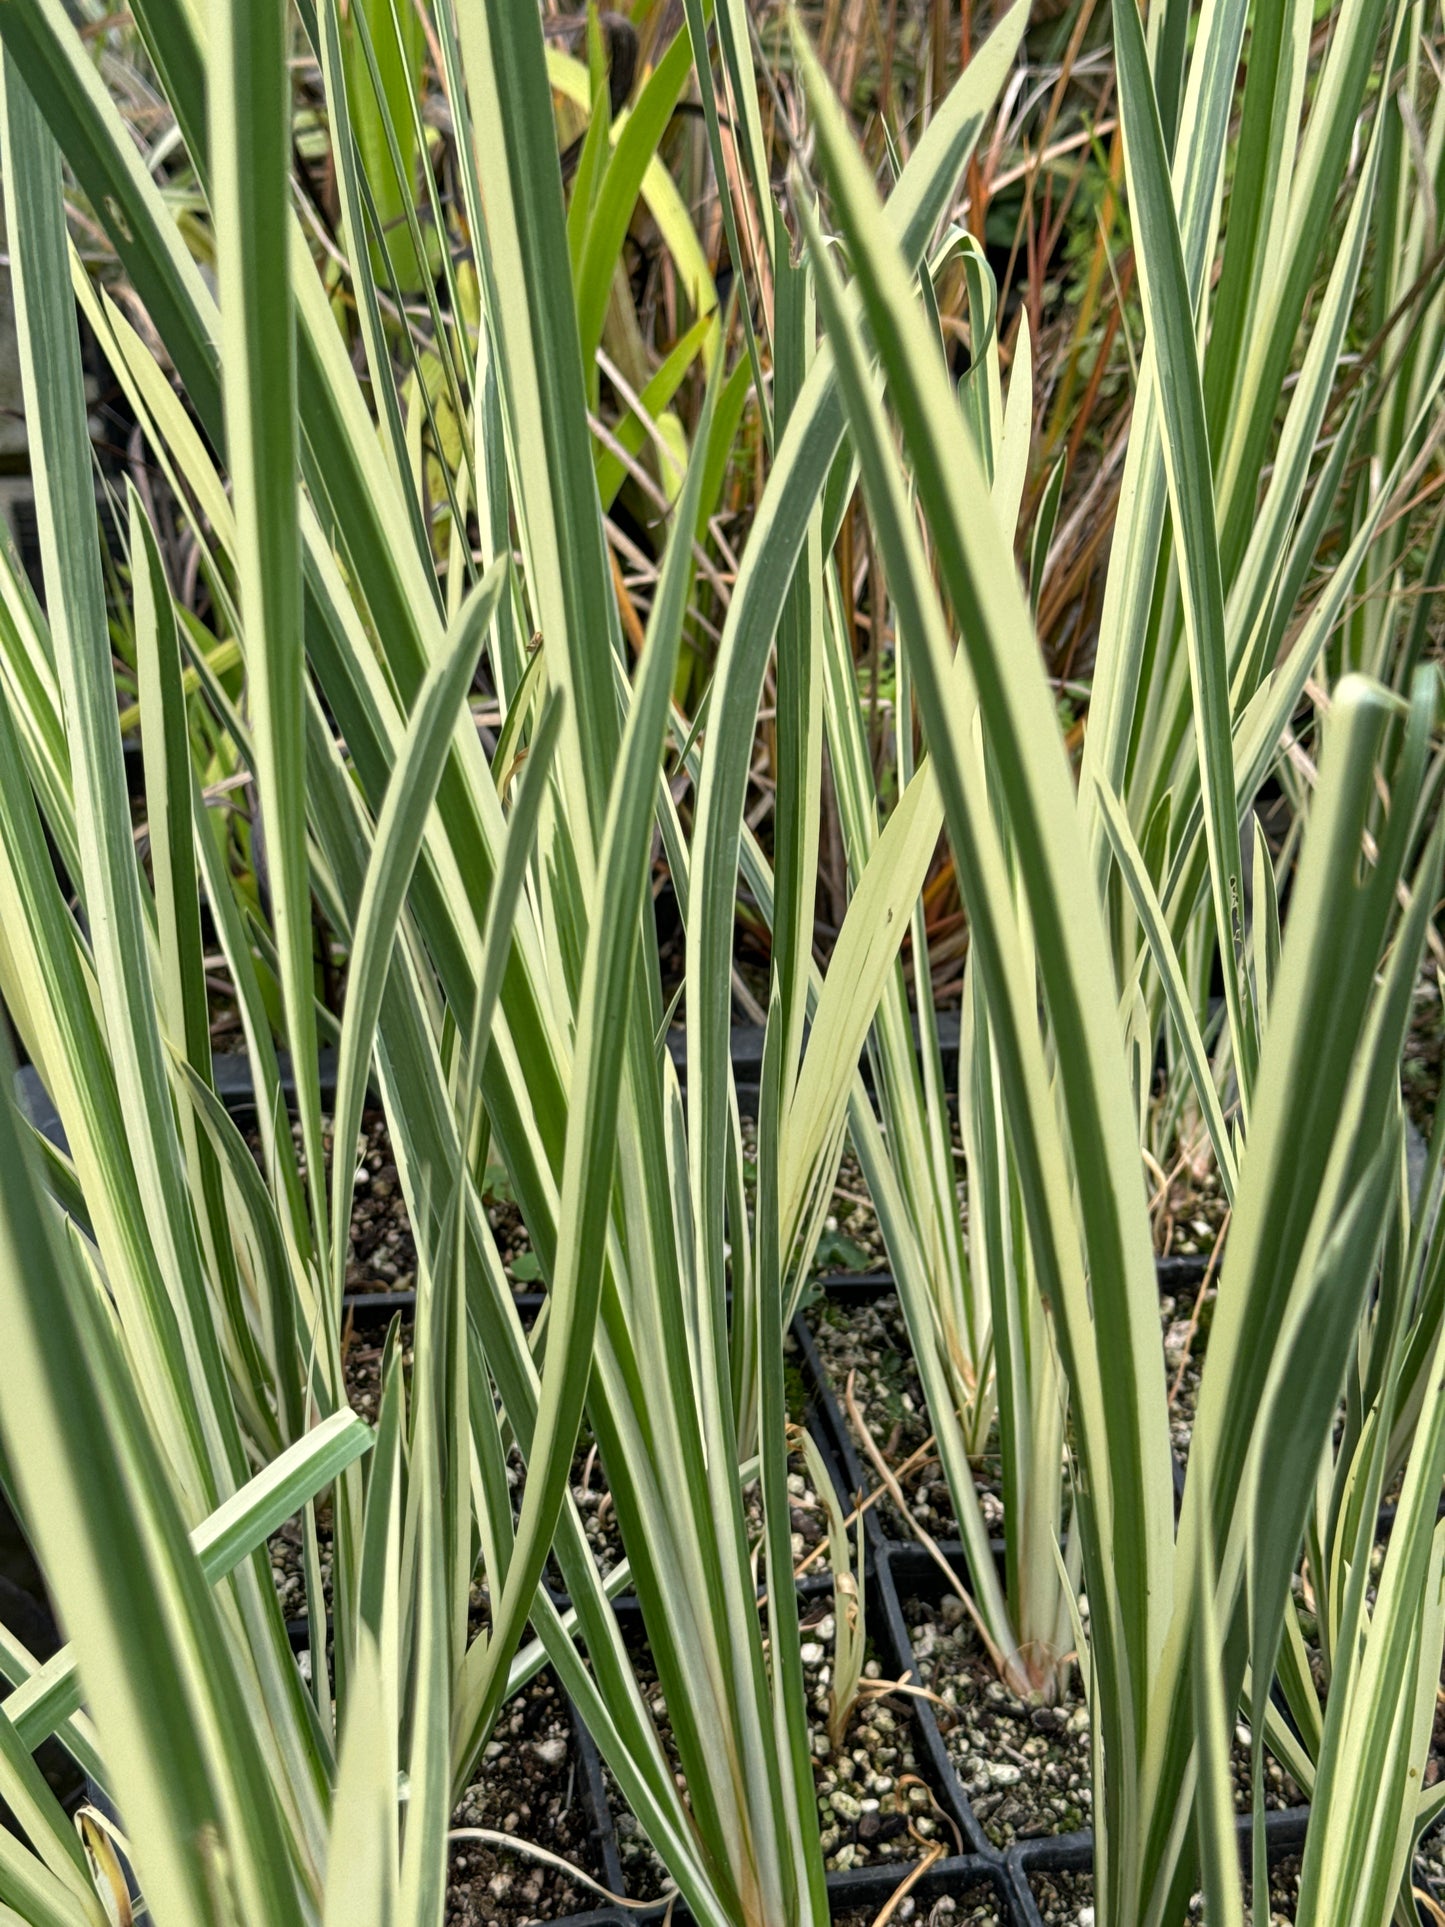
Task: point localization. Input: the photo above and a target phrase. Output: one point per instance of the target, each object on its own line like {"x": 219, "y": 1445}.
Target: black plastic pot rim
{"x": 859, "y": 1887}
{"x": 856, "y": 1287}
{"x": 233, "y": 1083}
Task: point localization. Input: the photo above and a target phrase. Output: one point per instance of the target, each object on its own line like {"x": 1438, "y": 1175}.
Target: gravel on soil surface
{"x": 874, "y": 1804}
{"x": 1186, "y": 1320}
{"x": 978, "y": 1907}
{"x": 870, "y": 1339}
{"x": 383, "y": 1254}
{"x": 1027, "y": 1769}
{"x": 383, "y": 1250}
{"x": 1067, "y": 1899}
{"x": 1424, "y": 1051}
{"x": 593, "y": 1498}
{"x": 1189, "y": 1209}
{"x": 529, "y": 1783}
{"x": 851, "y": 1240}
{"x": 287, "y": 1548}
{"x": 1064, "y": 1899}
{"x": 1430, "y": 1855}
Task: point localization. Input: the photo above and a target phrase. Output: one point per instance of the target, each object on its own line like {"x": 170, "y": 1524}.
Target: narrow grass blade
{"x": 358, "y": 1893}
{"x": 805, "y": 1890}
{"x": 235, "y": 1530}
{"x": 400, "y": 829}
{"x": 1035, "y": 782}
{"x": 534, "y": 329}
{"x": 1169, "y": 316}
{"x": 158, "y": 1673}
{"x": 867, "y": 947}
{"x": 1213, "y": 1719}
{"x": 54, "y": 392}
{"x": 591, "y": 1126}
{"x": 1176, "y": 991}
{"x": 378, "y": 354}
{"x": 617, "y": 193}
{"x": 250, "y": 138}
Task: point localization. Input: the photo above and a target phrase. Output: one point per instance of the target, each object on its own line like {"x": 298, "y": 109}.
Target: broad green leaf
{"x": 379, "y": 119}
{"x": 568, "y": 77}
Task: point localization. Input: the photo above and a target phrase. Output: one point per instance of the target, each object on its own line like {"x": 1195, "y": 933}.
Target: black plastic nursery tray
{"x": 900, "y": 1569}
{"x": 993, "y": 1880}
{"x": 857, "y": 1893}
